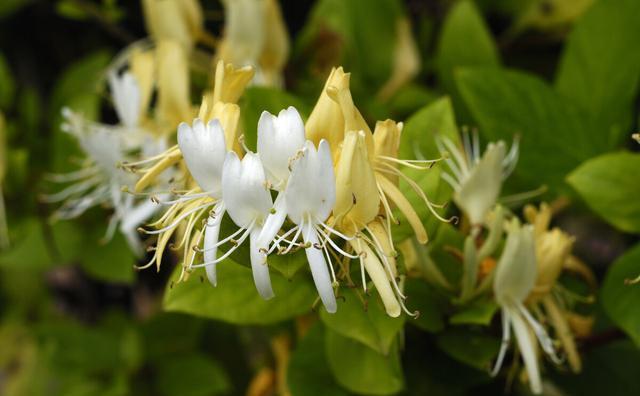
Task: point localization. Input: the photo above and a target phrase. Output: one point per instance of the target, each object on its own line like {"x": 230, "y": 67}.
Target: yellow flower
{"x": 255, "y": 35}
{"x": 553, "y": 248}
{"x": 175, "y": 20}
{"x": 174, "y": 105}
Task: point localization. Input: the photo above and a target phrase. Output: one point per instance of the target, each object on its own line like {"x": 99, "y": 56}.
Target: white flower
{"x": 515, "y": 277}
{"x": 477, "y": 180}
{"x": 126, "y": 98}
{"x": 247, "y": 200}
{"x": 204, "y": 148}
{"x": 310, "y": 197}
{"x": 279, "y": 140}
{"x": 100, "y": 180}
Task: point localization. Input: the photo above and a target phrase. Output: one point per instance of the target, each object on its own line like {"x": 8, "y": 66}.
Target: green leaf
{"x": 191, "y": 375}
{"x": 465, "y": 41}
{"x": 356, "y": 35}
{"x": 469, "y": 347}
{"x": 609, "y": 185}
{"x": 309, "y": 373}
{"x": 236, "y": 300}
{"x": 7, "y": 85}
{"x": 418, "y": 141}
{"x": 288, "y": 264}
{"x": 620, "y": 301}
{"x": 479, "y": 312}
{"x": 555, "y": 135}
{"x": 423, "y": 298}
{"x": 600, "y": 67}
{"x": 367, "y": 324}
{"x": 611, "y": 370}
{"x": 361, "y": 369}
{"x": 32, "y": 249}
{"x": 255, "y": 100}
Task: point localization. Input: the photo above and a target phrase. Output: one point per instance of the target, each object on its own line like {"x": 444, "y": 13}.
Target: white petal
{"x": 134, "y": 218}
{"x": 479, "y": 191}
{"x": 311, "y": 186}
{"x": 527, "y": 349}
{"x": 279, "y": 139}
{"x": 244, "y": 189}
{"x": 104, "y": 147}
{"x": 259, "y": 266}
{"x": 126, "y": 98}
{"x": 319, "y": 270}
{"x": 211, "y": 235}
{"x": 516, "y": 270}
{"x": 274, "y": 222}
{"x": 203, "y": 148}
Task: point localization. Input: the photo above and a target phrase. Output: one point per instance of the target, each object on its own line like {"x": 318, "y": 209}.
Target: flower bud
{"x": 176, "y": 20}
{"x": 357, "y": 198}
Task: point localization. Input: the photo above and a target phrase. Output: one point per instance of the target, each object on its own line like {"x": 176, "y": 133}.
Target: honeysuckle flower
{"x": 174, "y": 104}
{"x": 326, "y": 120}
{"x": 477, "y": 180}
{"x": 514, "y": 279}
{"x": 100, "y": 181}
{"x": 177, "y": 20}
{"x": 279, "y": 139}
{"x": 248, "y": 202}
{"x": 310, "y": 197}
{"x": 255, "y": 35}
{"x": 553, "y": 251}
{"x": 204, "y": 149}
{"x": 229, "y": 83}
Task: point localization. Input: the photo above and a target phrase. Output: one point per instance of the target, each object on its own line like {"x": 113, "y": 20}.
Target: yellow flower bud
{"x": 326, "y": 120}
{"x": 276, "y": 46}
{"x": 174, "y": 105}
{"x": 230, "y": 82}
{"x": 176, "y": 20}
{"x": 357, "y": 199}
{"x": 243, "y": 33}
{"x": 552, "y": 250}
{"x": 142, "y": 65}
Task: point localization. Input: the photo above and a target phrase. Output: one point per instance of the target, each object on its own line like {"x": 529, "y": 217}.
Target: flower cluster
{"x": 334, "y": 180}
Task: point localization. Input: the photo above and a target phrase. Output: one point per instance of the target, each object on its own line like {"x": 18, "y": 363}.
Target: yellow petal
{"x": 357, "y": 199}
{"x": 244, "y": 32}
{"x": 380, "y": 233}
{"x": 379, "y": 277}
{"x": 142, "y": 64}
{"x": 230, "y": 82}
{"x": 396, "y": 196}
{"x": 276, "y": 46}
{"x": 176, "y": 20}
{"x": 552, "y": 250}
{"x": 174, "y": 105}
{"x": 173, "y": 156}
{"x": 386, "y": 138}
{"x": 326, "y": 120}
{"x": 353, "y": 120}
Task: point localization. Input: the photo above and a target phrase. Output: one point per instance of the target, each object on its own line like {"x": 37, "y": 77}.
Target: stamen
{"x": 506, "y": 338}
{"x": 244, "y": 236}
{"x": 177, "y": 221}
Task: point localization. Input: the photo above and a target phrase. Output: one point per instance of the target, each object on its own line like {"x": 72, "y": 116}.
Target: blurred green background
{"x": 76, "y": 319}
